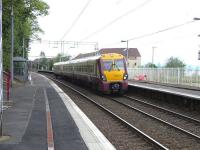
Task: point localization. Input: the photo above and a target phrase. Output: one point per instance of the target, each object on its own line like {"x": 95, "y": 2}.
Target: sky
{"x": 107, "y": 22}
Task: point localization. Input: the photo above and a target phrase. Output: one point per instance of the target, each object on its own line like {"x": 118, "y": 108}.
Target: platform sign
{"x": 1, "y": 71}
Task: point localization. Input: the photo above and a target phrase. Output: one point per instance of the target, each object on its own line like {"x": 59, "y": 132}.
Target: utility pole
{"x": 1, "y": 74}
{"x": 23, "y": 47}
{"x": 12, "y": 43}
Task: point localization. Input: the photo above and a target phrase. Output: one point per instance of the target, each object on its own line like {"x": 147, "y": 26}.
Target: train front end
{"x": 114, "y": 74}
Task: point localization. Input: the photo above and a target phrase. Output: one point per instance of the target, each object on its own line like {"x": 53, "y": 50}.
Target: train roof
{"x": 79, "y": 60}
{"x": 92, "y": 58}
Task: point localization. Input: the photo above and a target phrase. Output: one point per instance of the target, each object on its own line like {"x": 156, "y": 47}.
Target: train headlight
{"x": 125, "y": 77}
{"x": 103, "y": 78}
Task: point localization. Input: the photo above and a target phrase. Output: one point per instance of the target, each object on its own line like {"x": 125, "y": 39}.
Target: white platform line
{"x": 50, "y": 140}
{"x": 91, "y": 135}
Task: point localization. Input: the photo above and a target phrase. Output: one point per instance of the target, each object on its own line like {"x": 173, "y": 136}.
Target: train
{"x": 106, "y": 73}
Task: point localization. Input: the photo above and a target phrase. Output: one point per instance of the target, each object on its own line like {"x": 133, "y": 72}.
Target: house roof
{"x": 85, "y": 55}
{"x": 38, "y": 59}
{"x": 132, "y": 52}
{"x": 19, "y": 59}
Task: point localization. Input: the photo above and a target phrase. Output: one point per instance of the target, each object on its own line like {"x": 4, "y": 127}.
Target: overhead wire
{"x": 77, "y": 18}
{"x": 157, "y": 32}
{"x": 116, "y": 19}
{"x": 163, "y": 30}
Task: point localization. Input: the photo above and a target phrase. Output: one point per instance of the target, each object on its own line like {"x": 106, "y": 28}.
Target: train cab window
{"x": 107, "y": 64}
{"x": 119, "y": 64}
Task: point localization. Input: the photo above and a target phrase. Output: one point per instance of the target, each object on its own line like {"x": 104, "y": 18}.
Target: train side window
{"x": 92, "y": 68}
{"x": 71, "y": 68}
{"x": 65, "y": 68}
{"x": 88, "y": 68}
{"x": 84, "y": 68}
{"x": 77, "y": 68}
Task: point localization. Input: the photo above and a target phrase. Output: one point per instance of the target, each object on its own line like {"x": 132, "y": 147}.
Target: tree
{"x": 47, "y": 63}
{"x": 43, "y": 61}
{"x": 50, "y": 62}
{"x": 174, "y": 62}
{"x": 62, "y": 57}
{"x": 150, "y": 65}
{"x": 26, "y": 26}
{"x": 66, "y": 57}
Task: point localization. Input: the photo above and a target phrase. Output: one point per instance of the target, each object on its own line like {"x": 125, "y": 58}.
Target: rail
{"x": 148, "y": 138}
{"x": 158, "y": 119}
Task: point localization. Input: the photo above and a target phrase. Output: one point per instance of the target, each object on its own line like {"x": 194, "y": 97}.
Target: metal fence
{"x": 6, "y": 86}
{"x": 178, "y": 76}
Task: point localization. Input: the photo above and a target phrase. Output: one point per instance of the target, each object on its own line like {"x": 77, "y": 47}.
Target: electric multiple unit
{"x": 106, "y": 73}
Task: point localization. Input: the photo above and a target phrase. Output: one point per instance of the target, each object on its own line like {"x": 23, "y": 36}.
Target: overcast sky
{"x": 110, "y": 21}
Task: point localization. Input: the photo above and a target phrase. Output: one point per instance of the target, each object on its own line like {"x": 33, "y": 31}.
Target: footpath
{"x": 38, "y": 120}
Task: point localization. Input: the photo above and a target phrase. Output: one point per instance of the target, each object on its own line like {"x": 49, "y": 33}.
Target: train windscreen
{"x": 117, "y": 64}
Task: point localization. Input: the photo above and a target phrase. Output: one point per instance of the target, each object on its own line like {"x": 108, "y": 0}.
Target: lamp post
{"x": 126, "y": 49}
{"x": 153, "y": 48}
{"x": 199, "y": 51}
{"x": 196, "y": 19}
{"x": 12, "y": 43}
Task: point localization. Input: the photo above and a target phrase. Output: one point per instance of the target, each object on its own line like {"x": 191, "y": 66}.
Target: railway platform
{"x": 184, "y": 91}
{"x": 42, "y": 117}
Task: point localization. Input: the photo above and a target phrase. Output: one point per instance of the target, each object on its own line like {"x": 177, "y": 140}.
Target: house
{"x": 86, "y": 55}
{"x": 134, "y": 57}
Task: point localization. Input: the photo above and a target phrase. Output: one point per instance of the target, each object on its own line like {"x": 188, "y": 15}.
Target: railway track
{"x": 183, "y": 121}
{"x": 126, "y": 135}
{"x": 182, "y": 132}
{"x": 163, "y": 109}
{"x": 167, "y": 134}
{"x": 189, "y": 126}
